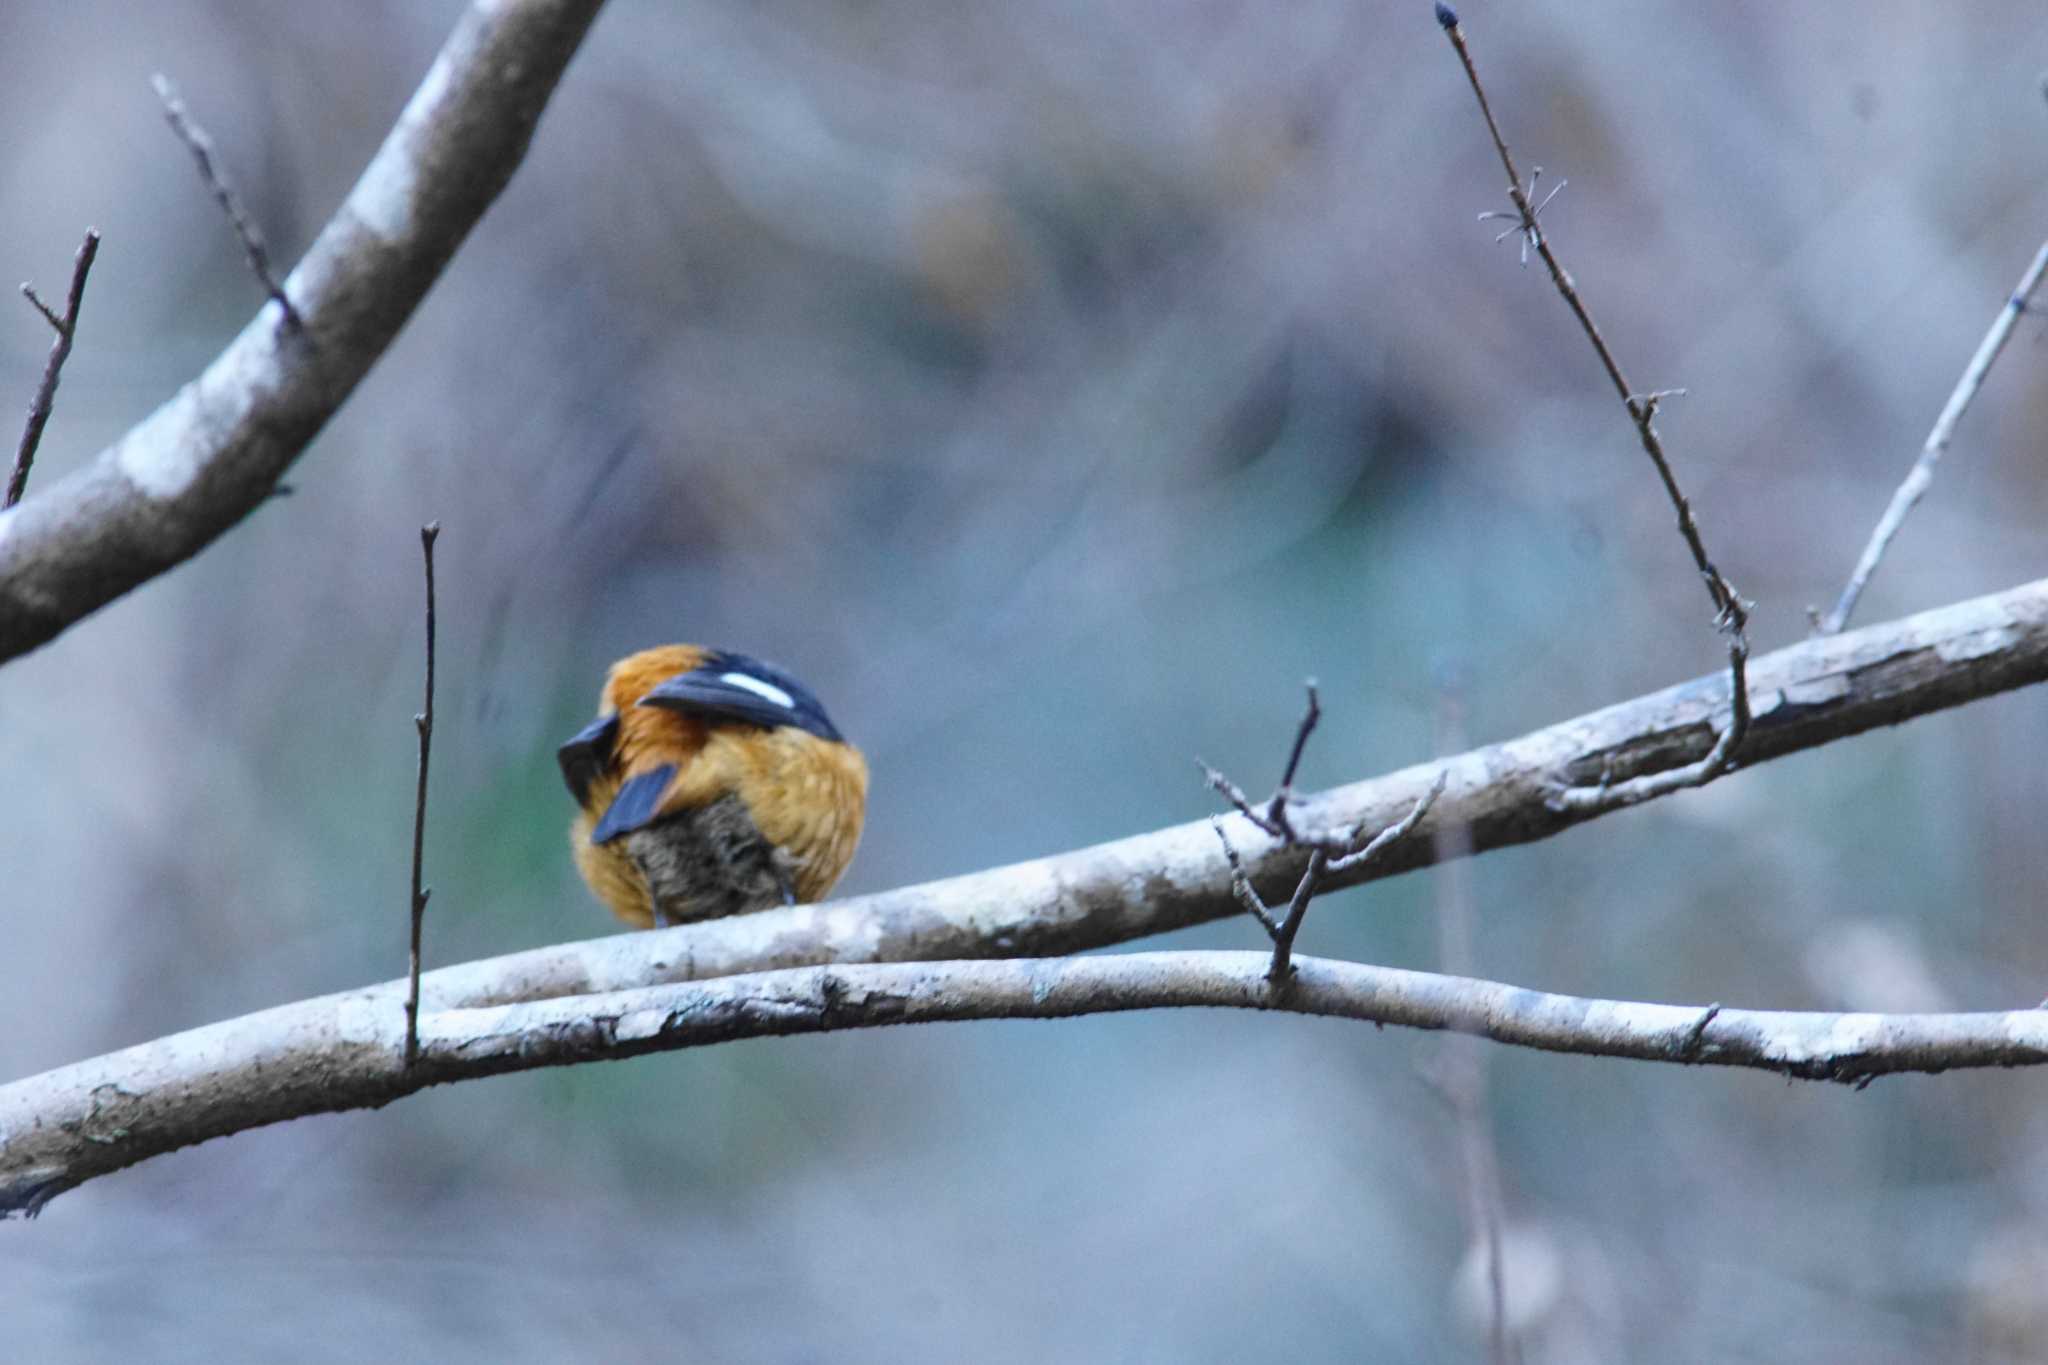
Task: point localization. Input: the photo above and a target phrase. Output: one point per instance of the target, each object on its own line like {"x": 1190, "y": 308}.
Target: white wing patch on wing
{"x": 760, "y": 689}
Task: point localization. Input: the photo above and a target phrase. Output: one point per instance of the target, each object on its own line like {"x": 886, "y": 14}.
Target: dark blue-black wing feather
{"x": 587, "y": 754}
{"x": 638, "y": 802}
{"x": 735, "y": 688}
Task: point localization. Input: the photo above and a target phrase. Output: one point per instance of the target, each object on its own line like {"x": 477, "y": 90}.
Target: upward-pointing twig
{"x": 424, "y": 723}
{"x": 1922, "y": 474}
{"x": 60, "y": 350}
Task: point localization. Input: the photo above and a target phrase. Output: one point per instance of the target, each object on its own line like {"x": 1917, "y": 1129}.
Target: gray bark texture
{"x": 212, "y": 453}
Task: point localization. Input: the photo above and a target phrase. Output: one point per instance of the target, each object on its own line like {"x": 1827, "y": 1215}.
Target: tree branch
{"x": 67, "y": 1126}
{"x": 1807, "y": 695}
{"x": 216, "y": 450}
{"x": 508, "y": 1012}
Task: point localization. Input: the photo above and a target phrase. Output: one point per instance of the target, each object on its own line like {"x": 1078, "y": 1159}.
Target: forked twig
{"x": 1272, "y": 817}
{"x": 1326, "y": 855}
{"x": 66, "y": 327}
{"x": 1921, "y": 475}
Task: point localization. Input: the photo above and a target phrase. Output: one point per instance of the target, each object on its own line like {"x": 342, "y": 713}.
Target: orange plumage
{"x": 710, "y": 784}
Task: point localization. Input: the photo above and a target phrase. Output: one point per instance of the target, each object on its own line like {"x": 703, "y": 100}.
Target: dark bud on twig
{"x": 1447, "y": 16}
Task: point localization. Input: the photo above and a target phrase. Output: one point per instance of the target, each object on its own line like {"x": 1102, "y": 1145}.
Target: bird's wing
{"x": 638, "y": 803}
{"x": 587, "y": 754}
{"x": 735, "y": 688}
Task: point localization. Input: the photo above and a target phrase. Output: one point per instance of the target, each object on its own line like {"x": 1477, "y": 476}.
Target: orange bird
{"x": 710, "y": 784}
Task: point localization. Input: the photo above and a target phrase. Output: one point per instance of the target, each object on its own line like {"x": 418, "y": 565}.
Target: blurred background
{"x": 1054, "y": 386}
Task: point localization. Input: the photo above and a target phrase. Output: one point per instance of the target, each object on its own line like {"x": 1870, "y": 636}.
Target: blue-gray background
{"x": 1054, "y": 386}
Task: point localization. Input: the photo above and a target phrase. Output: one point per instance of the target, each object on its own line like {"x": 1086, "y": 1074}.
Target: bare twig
{"x": 1320, "y": 865}
{"x": 1326, "y": 855}
{"x": 194, "y": 137}
{"x": 1282, "y": 965}
{"x": 1272, "y": 817}
{"x": 1731, "y": 610}
{"x": 424, "y": 724}
{"x": 1276, "y": 809}
{"x": 1241, "y": 884}
{"x": 1393, "y": 833}
{"x": 67, "y": 1126}
{"x": 1282, "y": 931}
{"x": 1921, "y": 476}
{"x": 66, "y": 327}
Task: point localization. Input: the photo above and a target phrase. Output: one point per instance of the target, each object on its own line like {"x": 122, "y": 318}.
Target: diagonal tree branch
{"x": 215, "y": 451}
{"x": 67, "y": 1126}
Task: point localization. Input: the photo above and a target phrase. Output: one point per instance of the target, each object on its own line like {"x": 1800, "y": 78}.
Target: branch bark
{"x": 215, "y": 451}
{"x": 70, "y": 1125}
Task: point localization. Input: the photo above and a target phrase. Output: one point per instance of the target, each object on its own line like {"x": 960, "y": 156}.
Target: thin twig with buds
{"x": 1731, "y": 610}
{"x": 424, "y": 724}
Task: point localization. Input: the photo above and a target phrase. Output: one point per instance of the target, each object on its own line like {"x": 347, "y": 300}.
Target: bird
{"x": 710, "y": 784}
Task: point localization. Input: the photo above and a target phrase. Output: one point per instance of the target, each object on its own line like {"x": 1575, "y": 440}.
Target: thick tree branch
{"x": 215, "y": 451}
{"x": 67, "y": 1126}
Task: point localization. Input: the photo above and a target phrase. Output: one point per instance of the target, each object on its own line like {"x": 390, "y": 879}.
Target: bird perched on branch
{"x": 710, "y": 784}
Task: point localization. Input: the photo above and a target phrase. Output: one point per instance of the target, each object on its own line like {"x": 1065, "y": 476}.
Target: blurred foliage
{"x": 1054, "y": 387}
